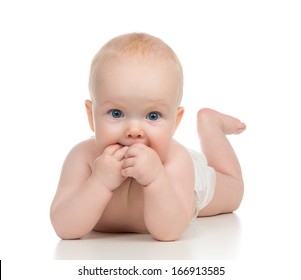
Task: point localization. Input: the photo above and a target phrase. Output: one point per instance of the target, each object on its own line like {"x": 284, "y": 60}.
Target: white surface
{"x": 209, "y": 238}
{"x": 239, "y": 57}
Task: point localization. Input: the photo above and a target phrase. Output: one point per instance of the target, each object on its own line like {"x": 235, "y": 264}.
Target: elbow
{"x": 63, "y": 231}
{"x": 169, "y": 231}
{"x": 167, "y": 235}
{"x": 166, "y": 238}
{"x": 67, "y": 235}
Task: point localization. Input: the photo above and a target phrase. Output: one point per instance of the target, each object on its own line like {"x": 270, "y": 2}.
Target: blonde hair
{"x": 139, "y": 44}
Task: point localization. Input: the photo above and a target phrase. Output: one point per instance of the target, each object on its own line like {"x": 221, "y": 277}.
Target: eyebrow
{"x": 152, "y": 105}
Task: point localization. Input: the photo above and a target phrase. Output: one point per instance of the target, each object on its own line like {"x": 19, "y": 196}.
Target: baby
{"x": 132, "y": 176}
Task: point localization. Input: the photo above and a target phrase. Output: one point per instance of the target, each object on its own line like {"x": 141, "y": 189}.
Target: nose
{"x": 134, "y": 131}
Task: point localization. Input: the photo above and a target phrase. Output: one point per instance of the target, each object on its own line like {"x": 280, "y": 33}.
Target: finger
{"x": 132, "y": 151}
{"x": 110, "y": 150}
{"x": 129, "y": 162}
{"x": 120, "y": 153}
{"x": 127, "y": 172}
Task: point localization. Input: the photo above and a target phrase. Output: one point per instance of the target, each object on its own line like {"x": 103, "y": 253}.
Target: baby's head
{"x": 140, "y": 46}
{"x": 136, "y": 85}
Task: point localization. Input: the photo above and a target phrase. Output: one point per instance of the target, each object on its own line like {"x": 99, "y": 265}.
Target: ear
{"x": 179, "y": 117}
{"x": 88, "y": 104}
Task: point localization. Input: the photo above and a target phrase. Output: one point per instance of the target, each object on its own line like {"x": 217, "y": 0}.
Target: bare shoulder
{"x": 86, "y": 150}
{"x": 77, "y": 165}
{"x": 179, "y": 164}
{"x": 178, "y": 156}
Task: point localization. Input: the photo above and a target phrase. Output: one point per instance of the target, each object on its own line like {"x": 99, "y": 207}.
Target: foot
{"x": 228, "y": 124}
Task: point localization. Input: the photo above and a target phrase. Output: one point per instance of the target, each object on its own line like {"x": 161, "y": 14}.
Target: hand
{"x": 142, "y": 163}
{"x": 107, "y": 167}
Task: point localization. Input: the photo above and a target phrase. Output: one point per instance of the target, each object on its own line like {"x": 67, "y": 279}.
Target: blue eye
{"x": 153, "y": 116}
{"x": 116, "y": 114}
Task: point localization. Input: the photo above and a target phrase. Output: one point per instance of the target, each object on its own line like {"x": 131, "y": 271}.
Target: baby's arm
{"x": 168, "y": 190}
{"x": 82, "y": 194}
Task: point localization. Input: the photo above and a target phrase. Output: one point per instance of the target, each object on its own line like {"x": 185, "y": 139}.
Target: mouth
{"x": 130, "y": 143}
{"x": 121, "y": 145}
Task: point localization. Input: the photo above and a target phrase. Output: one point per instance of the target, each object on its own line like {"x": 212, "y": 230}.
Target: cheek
{"x": 161, "y": 144}
{"x": 105, "y": 135}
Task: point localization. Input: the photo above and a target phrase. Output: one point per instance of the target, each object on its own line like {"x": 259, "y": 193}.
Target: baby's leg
{"x": 212, "y": 129}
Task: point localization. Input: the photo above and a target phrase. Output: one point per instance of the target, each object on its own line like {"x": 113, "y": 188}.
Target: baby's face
{"x": 136, "y": 102}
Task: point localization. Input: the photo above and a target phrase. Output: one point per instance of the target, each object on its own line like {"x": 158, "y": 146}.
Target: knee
{"x": 207, "y": 117}
{"x": 203, "y": 113}
{"x": 238, "y": 194}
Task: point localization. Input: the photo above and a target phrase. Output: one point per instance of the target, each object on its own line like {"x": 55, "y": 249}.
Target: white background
{"x": 239, "y": 57}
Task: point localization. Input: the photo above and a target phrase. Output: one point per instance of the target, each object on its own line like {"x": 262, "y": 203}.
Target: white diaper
{"x": 205, "y": 179}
